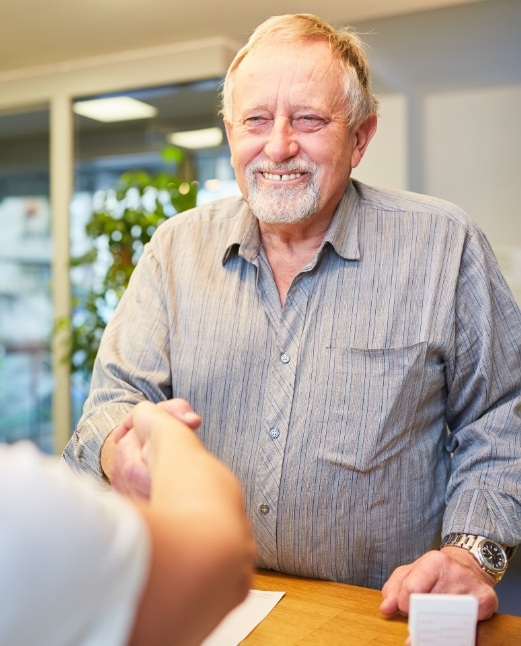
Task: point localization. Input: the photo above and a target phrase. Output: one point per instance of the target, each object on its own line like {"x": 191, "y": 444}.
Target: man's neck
{"x": 290, "y": 247}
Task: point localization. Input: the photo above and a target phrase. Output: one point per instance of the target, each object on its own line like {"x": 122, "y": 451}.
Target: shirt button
{"x": 274, "y": 433}
{"x": 284, "y": 358}
{"x": 264, "y": 509}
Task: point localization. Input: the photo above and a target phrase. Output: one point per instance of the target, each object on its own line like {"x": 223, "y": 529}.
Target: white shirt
{"x": 73, "y": 560}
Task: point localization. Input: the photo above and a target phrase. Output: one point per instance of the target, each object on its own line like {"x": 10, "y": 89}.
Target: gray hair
{"x": 345, "y": 45}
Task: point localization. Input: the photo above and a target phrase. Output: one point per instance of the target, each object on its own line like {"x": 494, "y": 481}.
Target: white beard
{"x": 282, "y": 204}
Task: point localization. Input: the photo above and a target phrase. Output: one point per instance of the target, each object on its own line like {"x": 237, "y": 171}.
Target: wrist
{"x": 469, "y": 561}
{"x": 489, "y": 555}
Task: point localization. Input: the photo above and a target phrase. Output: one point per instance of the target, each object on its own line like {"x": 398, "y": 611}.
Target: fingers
{"x": 421, "y": 576}
{"x": 130, "y": 474}
{"x": 177, "y": 407}
{"x": 123, "y": 428}
{"x": 488, "y": 603}
{"x": 443, "y": 573}
{"x": 392, "y": 588}
{"x": 182, "y": 410}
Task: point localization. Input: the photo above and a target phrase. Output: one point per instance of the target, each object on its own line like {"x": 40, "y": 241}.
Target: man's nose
{"x": 282, "y": 142}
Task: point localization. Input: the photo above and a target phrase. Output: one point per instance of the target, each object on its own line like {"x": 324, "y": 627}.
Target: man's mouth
{"x": 281, "y": 178}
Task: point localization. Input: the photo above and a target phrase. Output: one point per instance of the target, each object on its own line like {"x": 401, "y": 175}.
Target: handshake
{"x": 196, "y": 577}
{"x": 127, "y": 451}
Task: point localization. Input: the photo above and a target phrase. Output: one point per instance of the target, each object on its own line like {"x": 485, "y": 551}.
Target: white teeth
{"x": 282, "y": 178}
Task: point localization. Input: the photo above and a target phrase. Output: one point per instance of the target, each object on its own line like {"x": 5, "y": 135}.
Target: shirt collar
{"x": 244, "y": 237}
{"x": 342, "y": 234}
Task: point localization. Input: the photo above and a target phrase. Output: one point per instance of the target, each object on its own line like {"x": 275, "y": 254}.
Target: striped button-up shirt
{"x": 375, "y": 411}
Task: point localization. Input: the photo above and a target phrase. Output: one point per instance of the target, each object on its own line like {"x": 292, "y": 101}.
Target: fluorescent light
{"x": 120, "y": 108}
{"x": 193, "y": 139}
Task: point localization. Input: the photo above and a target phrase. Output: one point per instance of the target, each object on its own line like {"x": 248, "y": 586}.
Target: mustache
{"x": 293, "y": 166}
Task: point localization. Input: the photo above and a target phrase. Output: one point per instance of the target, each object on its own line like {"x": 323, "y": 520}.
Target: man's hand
{"x": 124, "y": 453}
{"x": 451, "y": 570}
{"x": 128, "y": 471}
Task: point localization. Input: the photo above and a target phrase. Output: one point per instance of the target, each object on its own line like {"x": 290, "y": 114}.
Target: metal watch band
{"x": 468, "y": 541}
{"x": 460, "y": 540}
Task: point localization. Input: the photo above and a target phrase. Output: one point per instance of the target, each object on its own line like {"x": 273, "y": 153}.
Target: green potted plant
{"x": 122, "y": 222}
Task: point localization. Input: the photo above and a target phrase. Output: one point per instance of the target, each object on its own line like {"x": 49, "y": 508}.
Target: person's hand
{"x": 178, "y": 407}
{"x": 124, "y": 454}
{"x": 129, "y": 473}
{"x": 451, "y": 570}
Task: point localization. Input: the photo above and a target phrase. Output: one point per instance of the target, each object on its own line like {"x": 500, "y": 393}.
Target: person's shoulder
{"x": 205, "y": 226}
{"x": 408, "y": 202}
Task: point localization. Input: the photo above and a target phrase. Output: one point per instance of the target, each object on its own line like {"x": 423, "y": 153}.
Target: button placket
{"x": 287, "y": 327}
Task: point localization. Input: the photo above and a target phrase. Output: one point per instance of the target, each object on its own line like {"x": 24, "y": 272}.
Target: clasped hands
{"x": 451, "y": 570}
{"x": 124, "y": 455}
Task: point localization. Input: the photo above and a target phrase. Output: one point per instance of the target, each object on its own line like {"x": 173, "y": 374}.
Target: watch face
{"x": 493, "y": 555}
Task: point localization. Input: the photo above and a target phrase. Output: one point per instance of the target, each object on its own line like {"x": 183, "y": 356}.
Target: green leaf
{"x": 120, "y": 228}
{"x": 172, "y": 154}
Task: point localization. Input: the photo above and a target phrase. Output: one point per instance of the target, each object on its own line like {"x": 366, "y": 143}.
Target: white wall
{"x": 473, "y": 158}
{"x": 450, "y": 83}
{"x": 385, "y": 161}
{"x": 471, "y": 155}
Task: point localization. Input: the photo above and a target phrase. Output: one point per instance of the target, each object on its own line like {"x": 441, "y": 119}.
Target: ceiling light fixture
{"x": 119, "y": 108}
{"x": 195, "y": 139}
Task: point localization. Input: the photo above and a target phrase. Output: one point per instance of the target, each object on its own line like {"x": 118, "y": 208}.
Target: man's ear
{"x": 364, "y": 135}
{"x": 229, "y": 135}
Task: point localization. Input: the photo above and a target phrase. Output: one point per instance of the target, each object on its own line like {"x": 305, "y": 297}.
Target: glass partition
{"x": 184, "y": 116}
{"x": 26, "y": 313}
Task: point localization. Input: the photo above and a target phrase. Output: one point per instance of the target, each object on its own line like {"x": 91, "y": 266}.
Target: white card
{"x": 239, "y": 623}
{"x": 443, "y": 619}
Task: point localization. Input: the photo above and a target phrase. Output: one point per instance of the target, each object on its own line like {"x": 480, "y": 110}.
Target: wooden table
{"x": 322, "y": 613}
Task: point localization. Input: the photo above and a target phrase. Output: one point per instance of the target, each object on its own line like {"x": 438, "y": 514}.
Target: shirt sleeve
{"x": 73, "y": 559}
{"x": 484, "y": 402}
{"x": 133, "y": 364}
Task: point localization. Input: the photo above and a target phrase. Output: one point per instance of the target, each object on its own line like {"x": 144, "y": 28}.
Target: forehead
{"x": 300, "y": 74}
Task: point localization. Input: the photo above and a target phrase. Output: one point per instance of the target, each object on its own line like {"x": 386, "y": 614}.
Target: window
{"x": 26, "y": 313}
{"x": 179, "y": 115}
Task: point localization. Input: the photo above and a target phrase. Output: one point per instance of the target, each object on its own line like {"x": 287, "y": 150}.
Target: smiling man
{"x": 354, "y": 352}
{"x": 293, "y": 146}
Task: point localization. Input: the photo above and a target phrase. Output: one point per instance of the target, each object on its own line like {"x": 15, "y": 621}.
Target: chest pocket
{"x": 382, "y": 392}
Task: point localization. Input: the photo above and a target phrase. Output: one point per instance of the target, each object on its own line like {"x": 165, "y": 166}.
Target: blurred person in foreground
{"x": 354, "y": 352}
{"x": 83, "y": 566}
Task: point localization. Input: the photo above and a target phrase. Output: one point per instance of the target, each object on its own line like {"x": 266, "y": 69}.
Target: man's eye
{"x": 308, "y": 122}
{"x": 253, "y": 122}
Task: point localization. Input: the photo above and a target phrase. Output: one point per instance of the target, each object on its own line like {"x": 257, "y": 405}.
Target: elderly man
{"x": 354, "y": 353}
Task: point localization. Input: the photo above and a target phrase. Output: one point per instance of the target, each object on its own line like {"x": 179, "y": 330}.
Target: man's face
{"x": 292, "y": 150}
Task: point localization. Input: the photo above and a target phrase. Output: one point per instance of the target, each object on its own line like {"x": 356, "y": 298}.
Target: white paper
{"x": 447, "y": 619}
{"x": 239, "y": 623}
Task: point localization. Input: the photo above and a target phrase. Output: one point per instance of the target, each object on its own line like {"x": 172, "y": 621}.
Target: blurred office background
{"x": 447, "y": 72}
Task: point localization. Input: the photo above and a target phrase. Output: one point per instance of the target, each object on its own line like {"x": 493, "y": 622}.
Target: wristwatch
{"x": 491, "y": 555}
